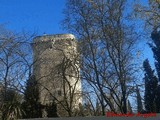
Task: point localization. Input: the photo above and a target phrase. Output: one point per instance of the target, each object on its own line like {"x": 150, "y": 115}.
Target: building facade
{"x": 56, "y": 68}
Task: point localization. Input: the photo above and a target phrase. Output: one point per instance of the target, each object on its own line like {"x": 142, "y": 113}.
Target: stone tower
{"x": 56, "y": 68}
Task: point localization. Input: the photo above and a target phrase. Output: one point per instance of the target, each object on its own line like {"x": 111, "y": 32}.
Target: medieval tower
{"x": 56, "y": 68}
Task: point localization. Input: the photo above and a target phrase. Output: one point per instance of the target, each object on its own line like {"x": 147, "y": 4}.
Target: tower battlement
{"x": 46, "y": 38}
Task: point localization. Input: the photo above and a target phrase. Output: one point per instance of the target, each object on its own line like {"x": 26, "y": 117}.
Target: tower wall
{"x": 56, "y": 67}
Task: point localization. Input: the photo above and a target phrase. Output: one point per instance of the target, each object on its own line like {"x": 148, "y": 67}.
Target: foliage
{"x": 31, "y": 105}
{"x": 156, "y": 51}
{"x": 11, "y": 106}
{"x": 51, "y": 110}
{"x": 150, "y": 13}
{"x": 150, "y": 87}
{"x": 157, "y": 99}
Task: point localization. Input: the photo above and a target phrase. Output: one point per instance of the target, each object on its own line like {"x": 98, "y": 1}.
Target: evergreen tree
{"x": 156, "y": 51}
{"x": 157, "y": 99}
{"x": 51, "y": 110}
{"x": 31, "y": 104}
{"x": 150, "y": 87}
{"x": 139, "y": 101}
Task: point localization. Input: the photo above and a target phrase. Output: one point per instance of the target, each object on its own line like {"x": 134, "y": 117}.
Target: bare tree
{"x": 150, "y": 13}
{"x": 107, "y": 46}
{"x": 13, "y": 69}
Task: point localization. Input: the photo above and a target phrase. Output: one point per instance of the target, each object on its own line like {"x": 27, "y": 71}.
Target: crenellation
{"x": 53, "y": 37}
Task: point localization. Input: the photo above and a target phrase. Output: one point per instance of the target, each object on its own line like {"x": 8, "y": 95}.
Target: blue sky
{"x": 42, "y": 16}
